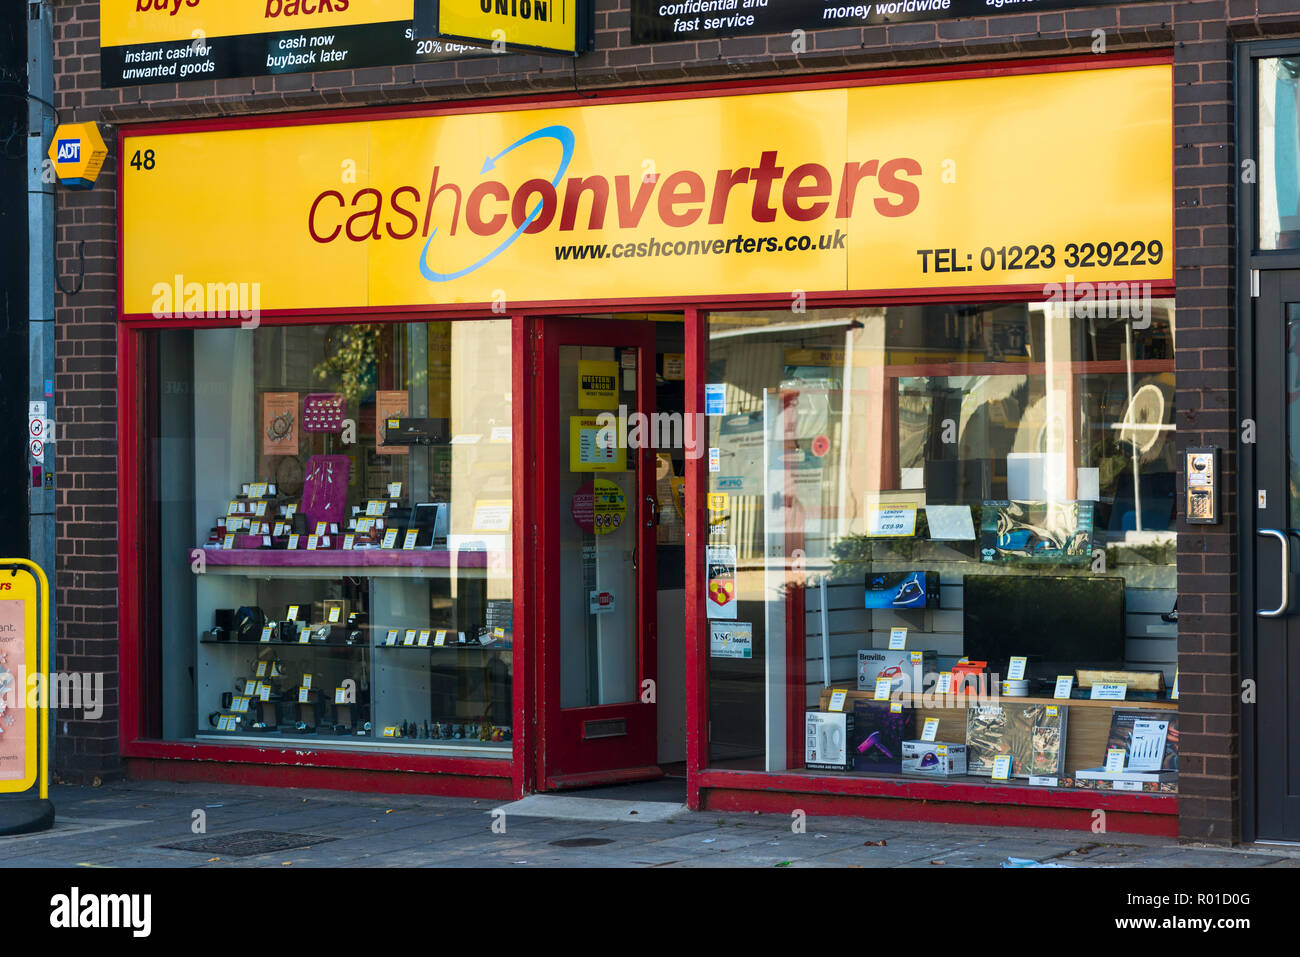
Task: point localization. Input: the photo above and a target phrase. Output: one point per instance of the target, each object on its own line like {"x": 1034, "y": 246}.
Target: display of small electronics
{"x": 248, "y": 624}
{"x": 938, "y": 759}
{"x": 908, "y": 671}
{"x": 902, "y": 590}
{"x": 323, "y": 412}
{"x": 429, "y": 519}
{"x": 1149, "y": 739}
{"x": 879, "y": 730}
{"x": 827, "y": 739}
{"x": 400, "y": 431}
{"x": 1059, "y": 622}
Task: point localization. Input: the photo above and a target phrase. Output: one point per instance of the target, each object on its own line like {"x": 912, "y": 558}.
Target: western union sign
{"x": 562, "y": 26}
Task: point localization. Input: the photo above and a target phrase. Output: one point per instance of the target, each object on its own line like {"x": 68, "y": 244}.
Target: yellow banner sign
{"x": 23, "y": 681}
{"x": 128, "y": 22}
{"x": 538, "y": 24}
{"x": 944, "y": 184}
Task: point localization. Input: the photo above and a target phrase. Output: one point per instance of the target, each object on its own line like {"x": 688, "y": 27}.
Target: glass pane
{"x": 334, "y": 524}
{"x": 1293, "y": 410}
{"x": 1278, "y": 124}
{"x": 598, "y": 582}
{"x": 998, "y": 480}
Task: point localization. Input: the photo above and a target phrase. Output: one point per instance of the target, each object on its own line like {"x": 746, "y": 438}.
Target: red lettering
{"x": 630, "y": 213}
{"x": 908, "y": 192}
{"x": 764, "y": 175}
{"x": 311, "y": 217}
{"x": 519, "y": 208}
{"x": 854, "y": 173}
{"x": 598, "y": 186}
{"x": 474, "y": 208}
{"x": 434, "y": 190}
{"x": 727, "y": 178}
{"x": 671, "y": 196}
{"x": 409, "y": 214}
{"x": 373, "y": 232}
{"x": 794, "y": 192}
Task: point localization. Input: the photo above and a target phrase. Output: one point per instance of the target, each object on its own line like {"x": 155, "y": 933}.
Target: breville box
{"x": 826, "y": 740}
{"x": 908, "y": 671}
{"x": 934, "y": 758}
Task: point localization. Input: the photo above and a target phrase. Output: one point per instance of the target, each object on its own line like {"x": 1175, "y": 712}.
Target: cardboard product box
{"x": 828, "y": 736}
{"x": 934, "y": 758}
{"x": 879, "y": 730}
{"x": 910, "y": 671}
{"x": 1154, "y": 782}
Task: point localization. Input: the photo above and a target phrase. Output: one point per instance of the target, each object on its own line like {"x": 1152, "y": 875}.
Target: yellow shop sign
{"x": 946, "y": 184}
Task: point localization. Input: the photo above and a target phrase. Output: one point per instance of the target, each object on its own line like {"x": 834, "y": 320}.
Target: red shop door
{"x": 596, "y": 543}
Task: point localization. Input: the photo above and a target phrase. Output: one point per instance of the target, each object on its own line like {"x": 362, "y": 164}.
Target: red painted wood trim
{"x": 129, "y": 578}
{"x": 922, "y": 790}
{"x": 297, "y": 755}
{"x": 282, "y": 776}
{"x": 697, "y": 630}
{"x": 521, "y": 526}
{"x": 938, "y": 811}
{"x": 650, "y": 772}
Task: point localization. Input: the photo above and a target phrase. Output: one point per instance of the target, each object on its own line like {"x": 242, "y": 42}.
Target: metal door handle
{"x": 1281, "y": 536}
{"x": 654, "y": 511}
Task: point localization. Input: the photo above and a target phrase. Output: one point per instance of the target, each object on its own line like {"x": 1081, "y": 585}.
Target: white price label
{"x": 1002, "y": 767}
{"x": 1109, "y": 691}
{"x": 883, "y": 687}
{"x": 1063, "y": 685}
{"x": 897, "y": 639}
{"x": 1115, "y": 760}
{"x": 392, "y": 637}
{"x": 1016, "y": 668}
{"x": 931, "y": 729}
{"x": 837, "y": 700}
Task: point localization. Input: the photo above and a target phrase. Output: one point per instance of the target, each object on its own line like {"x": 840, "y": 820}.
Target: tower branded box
{"x": 937, "y": 759}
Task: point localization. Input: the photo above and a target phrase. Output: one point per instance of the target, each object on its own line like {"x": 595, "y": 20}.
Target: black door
{"x": 1275, "y": 504}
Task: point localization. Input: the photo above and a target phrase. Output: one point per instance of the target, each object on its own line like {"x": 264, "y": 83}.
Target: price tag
{"x": 408, "y": 640}
{"x": 394, "y": 490}
{"x": 292, "y": 613}
{"x": 228, "y": 541}
{"x": 250, "y": 686}
{"x": 390, "y": 732}
{"x": 279, "y": 529}
{"x": 349, "y": 541}
{"x": 335, "y": 614}
{"x": 392, "y": 637}
{"x": 341, "y": 696}
{"x": 1042, "y": 781}
{"x": 1126, "y": 785}
{"x": 304, "y": 634}
{"x": 837, "y": 700}
{"x": 424, "y": 638}
{"x": 293, "y": 541}
{"x": 266, "y": 634}
{"x": 1115, "y": 760}
{"x": 931, "y": 729}
{"x": 944, "y": 685}
{"x": 390, "y": 538}
{"x": 290, "y": 511}
{"x": 302, "y": 695}
{"x": 312, "y": 541}
{"x": 408, "y": 542}
{"x": 375, "y": 508}
{"x": 263, "y": 691}
{"x": 240, "y": 704}
{"x": 1063, "y": 685}
{"x": 897, "y": 639}
{"x": 1002, "y": 767}
{"x": 266, "y": 541}
{"x": 896, "y": 707}
{"x": 223, "y": 723}
{"x": 259, "y": 509}
{"x": 306, "y": 681}
{"x": 261, "y": 669}
{"x": 963, "y": 661}
{"x": 1016, "y": 668}
{"x": 439, "y": 639}
{"x": 234, "y": 509}
{"x": 1173, "y": 694}
{"x": 1109, "y": 691}
{"x": 322, "y": 528}
{"x": 500, "y": 635}
{"x": 883, "y": 686}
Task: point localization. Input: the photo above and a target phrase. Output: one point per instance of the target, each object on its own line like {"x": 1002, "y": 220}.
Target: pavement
{"x": 131, "y": 824}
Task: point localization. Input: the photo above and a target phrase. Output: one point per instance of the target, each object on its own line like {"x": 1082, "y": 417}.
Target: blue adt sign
{"x": 69, "y": 151}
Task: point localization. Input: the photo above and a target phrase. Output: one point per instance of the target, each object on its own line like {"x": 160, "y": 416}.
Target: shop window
{"x": 974, "y": 483}
{"x": 333, "y": 529}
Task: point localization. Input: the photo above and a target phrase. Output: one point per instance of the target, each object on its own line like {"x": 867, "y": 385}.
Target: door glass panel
{"x": 598, "y": 581}
{"x": 1278, "y": 121}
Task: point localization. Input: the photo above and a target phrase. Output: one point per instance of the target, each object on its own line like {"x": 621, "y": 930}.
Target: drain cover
{"x": 248, "y": 843}
{"x": 582, "y": 842}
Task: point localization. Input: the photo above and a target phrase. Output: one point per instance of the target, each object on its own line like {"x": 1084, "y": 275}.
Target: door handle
{"x": 1284, "y": 539}
{"x": 653, "y": 520}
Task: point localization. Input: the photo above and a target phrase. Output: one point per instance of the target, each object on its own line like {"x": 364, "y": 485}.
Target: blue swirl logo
{"x": 564, "y": 136}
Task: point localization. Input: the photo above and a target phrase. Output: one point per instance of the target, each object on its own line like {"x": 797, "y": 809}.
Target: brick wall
{"x": 1201, "y": 35}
